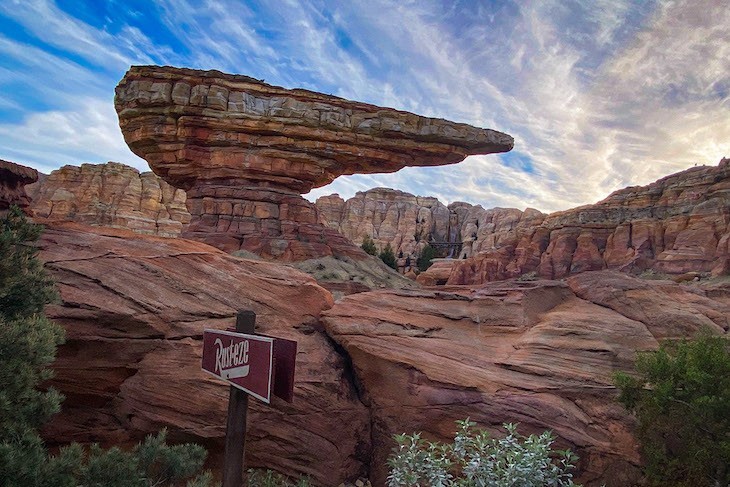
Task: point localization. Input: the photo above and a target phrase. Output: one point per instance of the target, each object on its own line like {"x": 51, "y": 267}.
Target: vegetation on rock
{"x": 368, "y": 245}
{"x": 681, "y": 398}
{"x": 476, "y": 459}
{"x": 424, "y": 260}
{"x": 28, "y": 342}
{"x": 388, "y": 257}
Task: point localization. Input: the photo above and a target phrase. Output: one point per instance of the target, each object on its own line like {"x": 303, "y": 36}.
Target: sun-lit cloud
{"x": 598, "y": 96}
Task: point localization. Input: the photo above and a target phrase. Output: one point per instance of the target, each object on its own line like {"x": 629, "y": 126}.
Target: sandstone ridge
{"x": 244, "y": 151}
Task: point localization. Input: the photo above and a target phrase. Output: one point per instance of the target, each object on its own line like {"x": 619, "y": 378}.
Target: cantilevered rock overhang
{"x": 245, "y": 151}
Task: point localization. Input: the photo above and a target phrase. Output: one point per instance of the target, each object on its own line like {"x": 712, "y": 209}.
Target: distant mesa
{"x": 244, "y": 151}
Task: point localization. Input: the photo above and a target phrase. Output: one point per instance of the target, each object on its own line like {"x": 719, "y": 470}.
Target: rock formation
{"x": 112, "y": 195}
{"x": 678, "y": 224}
{"x": 134, "y": 308}
{"x": 244, "y": 151}
{"x": 540, "y": 353}
{"x": 13, "y": 178}
{"x": 388, "y": 216}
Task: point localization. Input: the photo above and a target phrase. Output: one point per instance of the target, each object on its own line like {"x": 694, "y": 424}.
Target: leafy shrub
{"x": 388, "y": 257}
{"x": 269, "y": 478}
{"x": 681, "y": 398}
{"x": 28, "y": 342}
{"x": 368, "y": 245}
{"x": 476, "y": 459}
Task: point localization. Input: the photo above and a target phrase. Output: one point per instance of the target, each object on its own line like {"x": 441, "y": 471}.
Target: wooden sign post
{"x": 256, "y": 365}
{"x": 233, "y": 472}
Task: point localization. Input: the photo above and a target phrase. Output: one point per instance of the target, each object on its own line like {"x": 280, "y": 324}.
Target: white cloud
{"x": 48, "y": 140}
{"x": 597, "y": 97}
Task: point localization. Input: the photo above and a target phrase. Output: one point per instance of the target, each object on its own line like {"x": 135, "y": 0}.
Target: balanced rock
{"x": 245, "y": 151}
{"x": 112, "y": 195}
{"x": 13, "y": 179}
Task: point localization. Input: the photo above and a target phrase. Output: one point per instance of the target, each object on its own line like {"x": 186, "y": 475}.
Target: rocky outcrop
{"x": 112, "y": 195}
{"x": 244, "y": 151}
{"x": 540, "y": 353}
{"x": 13, "y": 179}
{"x": 134, "y": 308}
{"x": 676, "y": 225}
{"x": 388, "y": 216}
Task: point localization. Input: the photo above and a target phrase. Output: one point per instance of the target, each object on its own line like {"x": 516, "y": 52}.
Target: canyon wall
{"x": 676, "y": 225}
{"x": 112, "y": 195}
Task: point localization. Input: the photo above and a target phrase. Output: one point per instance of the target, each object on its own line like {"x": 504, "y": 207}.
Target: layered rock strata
{"x": 134, "y": 308}
{"x": 13, "y": 179}
{"x": 112, "y": 195}
{"x": 244, "y": 151}
{"x": 676, "y": 225}
{"x": 540, "y": 353}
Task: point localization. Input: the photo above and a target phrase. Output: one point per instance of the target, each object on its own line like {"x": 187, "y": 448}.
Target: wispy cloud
{"x": 597, "y": 97}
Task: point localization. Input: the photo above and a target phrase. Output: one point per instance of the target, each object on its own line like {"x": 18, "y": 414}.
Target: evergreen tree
{"x": 424, "y": 260}
{"x": 681, "y": 397}
{"x": 368, "y": 245}
{"x": 388, "y": 257}
{"x": 28, "y": 342}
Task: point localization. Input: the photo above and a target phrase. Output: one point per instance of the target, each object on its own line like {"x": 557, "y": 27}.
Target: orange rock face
{"x": 245, "y": 150}
{"x": 539, "y": 353}
{"x": 13, "y": 179}
{"x": 676, "y": 225}
{"x": 134, "y": 308}
{"x": 112, "y": 195}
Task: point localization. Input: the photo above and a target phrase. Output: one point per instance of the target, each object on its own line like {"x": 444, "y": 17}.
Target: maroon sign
{"x": 244, "y": 361}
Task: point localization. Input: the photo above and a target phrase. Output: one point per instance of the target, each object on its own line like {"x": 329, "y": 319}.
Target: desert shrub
{"x": 424, "y": 260}
{"x": 28, "y": 342}
{"x": 680, "y": 395}
{"x": 388, "y": 257}
{"x": 476, "y": 459}
{"x": 368, "y": 245}
{"x": 269, "y": 478}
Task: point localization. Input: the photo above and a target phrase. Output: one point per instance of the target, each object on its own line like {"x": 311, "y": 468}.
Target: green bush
{"x": 424, "y": 260}
{"x": 269, "y": 478}
{"x": 368, "y": 245}
{"x": 681, "y": 397}
{"x": 476, "y": 459}
{"x": 28, "y": 342}
{"x": 388, "y": 257}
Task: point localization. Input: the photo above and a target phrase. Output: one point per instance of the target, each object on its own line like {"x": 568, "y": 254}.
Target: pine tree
{"x": 368, "y": 245}
{"x": 424, "y": 260}
{"x": 388, "y": 257}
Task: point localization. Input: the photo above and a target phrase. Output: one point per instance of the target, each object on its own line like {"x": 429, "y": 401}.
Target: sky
{"x": 598, "y": 94}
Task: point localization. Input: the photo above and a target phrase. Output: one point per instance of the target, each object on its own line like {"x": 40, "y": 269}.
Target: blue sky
{"x": 598, "y": 94}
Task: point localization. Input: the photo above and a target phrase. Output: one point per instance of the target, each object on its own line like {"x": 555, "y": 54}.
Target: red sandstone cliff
{"x": 678, "y": 224}
{"x": 13, "y": 179}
